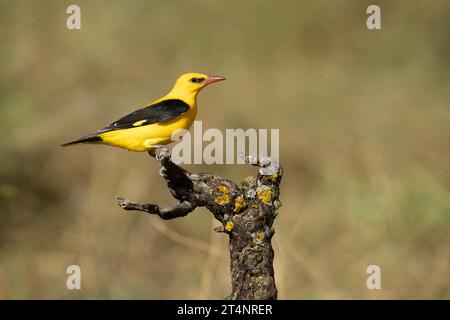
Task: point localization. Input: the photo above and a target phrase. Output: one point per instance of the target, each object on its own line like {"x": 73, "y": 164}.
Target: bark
{"x": 246, "y": 214}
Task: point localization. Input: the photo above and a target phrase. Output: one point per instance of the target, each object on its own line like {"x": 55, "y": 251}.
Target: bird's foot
{"x": 162, "y": 152}
{"x": 159, "y": 152}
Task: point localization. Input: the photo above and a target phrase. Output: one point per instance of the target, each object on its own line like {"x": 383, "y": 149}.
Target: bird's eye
{"x": 197, "y": 80}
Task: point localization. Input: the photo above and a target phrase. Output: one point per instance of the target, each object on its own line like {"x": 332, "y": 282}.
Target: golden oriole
{"x": 147, "y": 128}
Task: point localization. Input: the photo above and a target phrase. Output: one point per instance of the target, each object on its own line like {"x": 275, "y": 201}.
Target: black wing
{"x": 159, "y": 112}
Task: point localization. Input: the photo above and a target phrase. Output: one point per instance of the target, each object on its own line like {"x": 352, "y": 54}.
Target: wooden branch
{"x": 246, "y": 212}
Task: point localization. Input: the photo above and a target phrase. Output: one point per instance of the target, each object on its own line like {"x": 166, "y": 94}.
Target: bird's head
{"x": 193, "y": 83}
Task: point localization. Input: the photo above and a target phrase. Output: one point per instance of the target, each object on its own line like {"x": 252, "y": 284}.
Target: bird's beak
{"x": 212, "y": 79}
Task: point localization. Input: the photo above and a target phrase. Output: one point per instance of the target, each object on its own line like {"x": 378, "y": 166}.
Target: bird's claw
{"x": 162, "y": 153}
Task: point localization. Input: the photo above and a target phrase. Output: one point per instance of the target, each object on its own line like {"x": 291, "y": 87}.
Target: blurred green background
{"x": 364, "y": 121}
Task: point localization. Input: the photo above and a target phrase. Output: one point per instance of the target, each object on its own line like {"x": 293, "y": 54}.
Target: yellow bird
{"x": 152, "y": 126}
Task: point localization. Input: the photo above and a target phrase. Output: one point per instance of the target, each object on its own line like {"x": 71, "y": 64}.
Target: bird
{"x": 152, "y": 126}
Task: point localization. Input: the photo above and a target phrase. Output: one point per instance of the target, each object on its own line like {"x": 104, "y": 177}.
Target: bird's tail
{"x": 86, "y": 139}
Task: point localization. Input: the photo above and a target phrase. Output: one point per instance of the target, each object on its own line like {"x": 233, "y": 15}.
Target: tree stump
{"x": 246, "y": 214}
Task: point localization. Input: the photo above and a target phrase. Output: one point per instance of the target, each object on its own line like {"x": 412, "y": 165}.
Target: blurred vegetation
{"x": 364, "y": 120}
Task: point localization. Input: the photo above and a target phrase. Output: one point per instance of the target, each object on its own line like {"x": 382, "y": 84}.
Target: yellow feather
{"x": 139, "y": 123}
{"x": 141, "y": 138}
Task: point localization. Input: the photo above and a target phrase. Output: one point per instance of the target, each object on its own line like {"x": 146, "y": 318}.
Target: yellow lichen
{"x": 261, "y": 236}
{"x": 266, "y": 196}
{"x": 255, "y": 206}
{"x": 274, "y": 177}
{"x": 229, "y": 226}
{"x": 239, "y": 204}
{"x": 248, "y": 180}
{"x": 222, "y": 199}
{"x": 223, "y": 189}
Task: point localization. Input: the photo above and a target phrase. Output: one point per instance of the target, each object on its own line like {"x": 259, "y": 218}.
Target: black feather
{"x": 159, "y": 112}
{"x": 86, "y": 139}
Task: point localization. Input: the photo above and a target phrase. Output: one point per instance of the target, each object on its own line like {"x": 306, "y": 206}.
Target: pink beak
{"x": 212, "y": 79}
